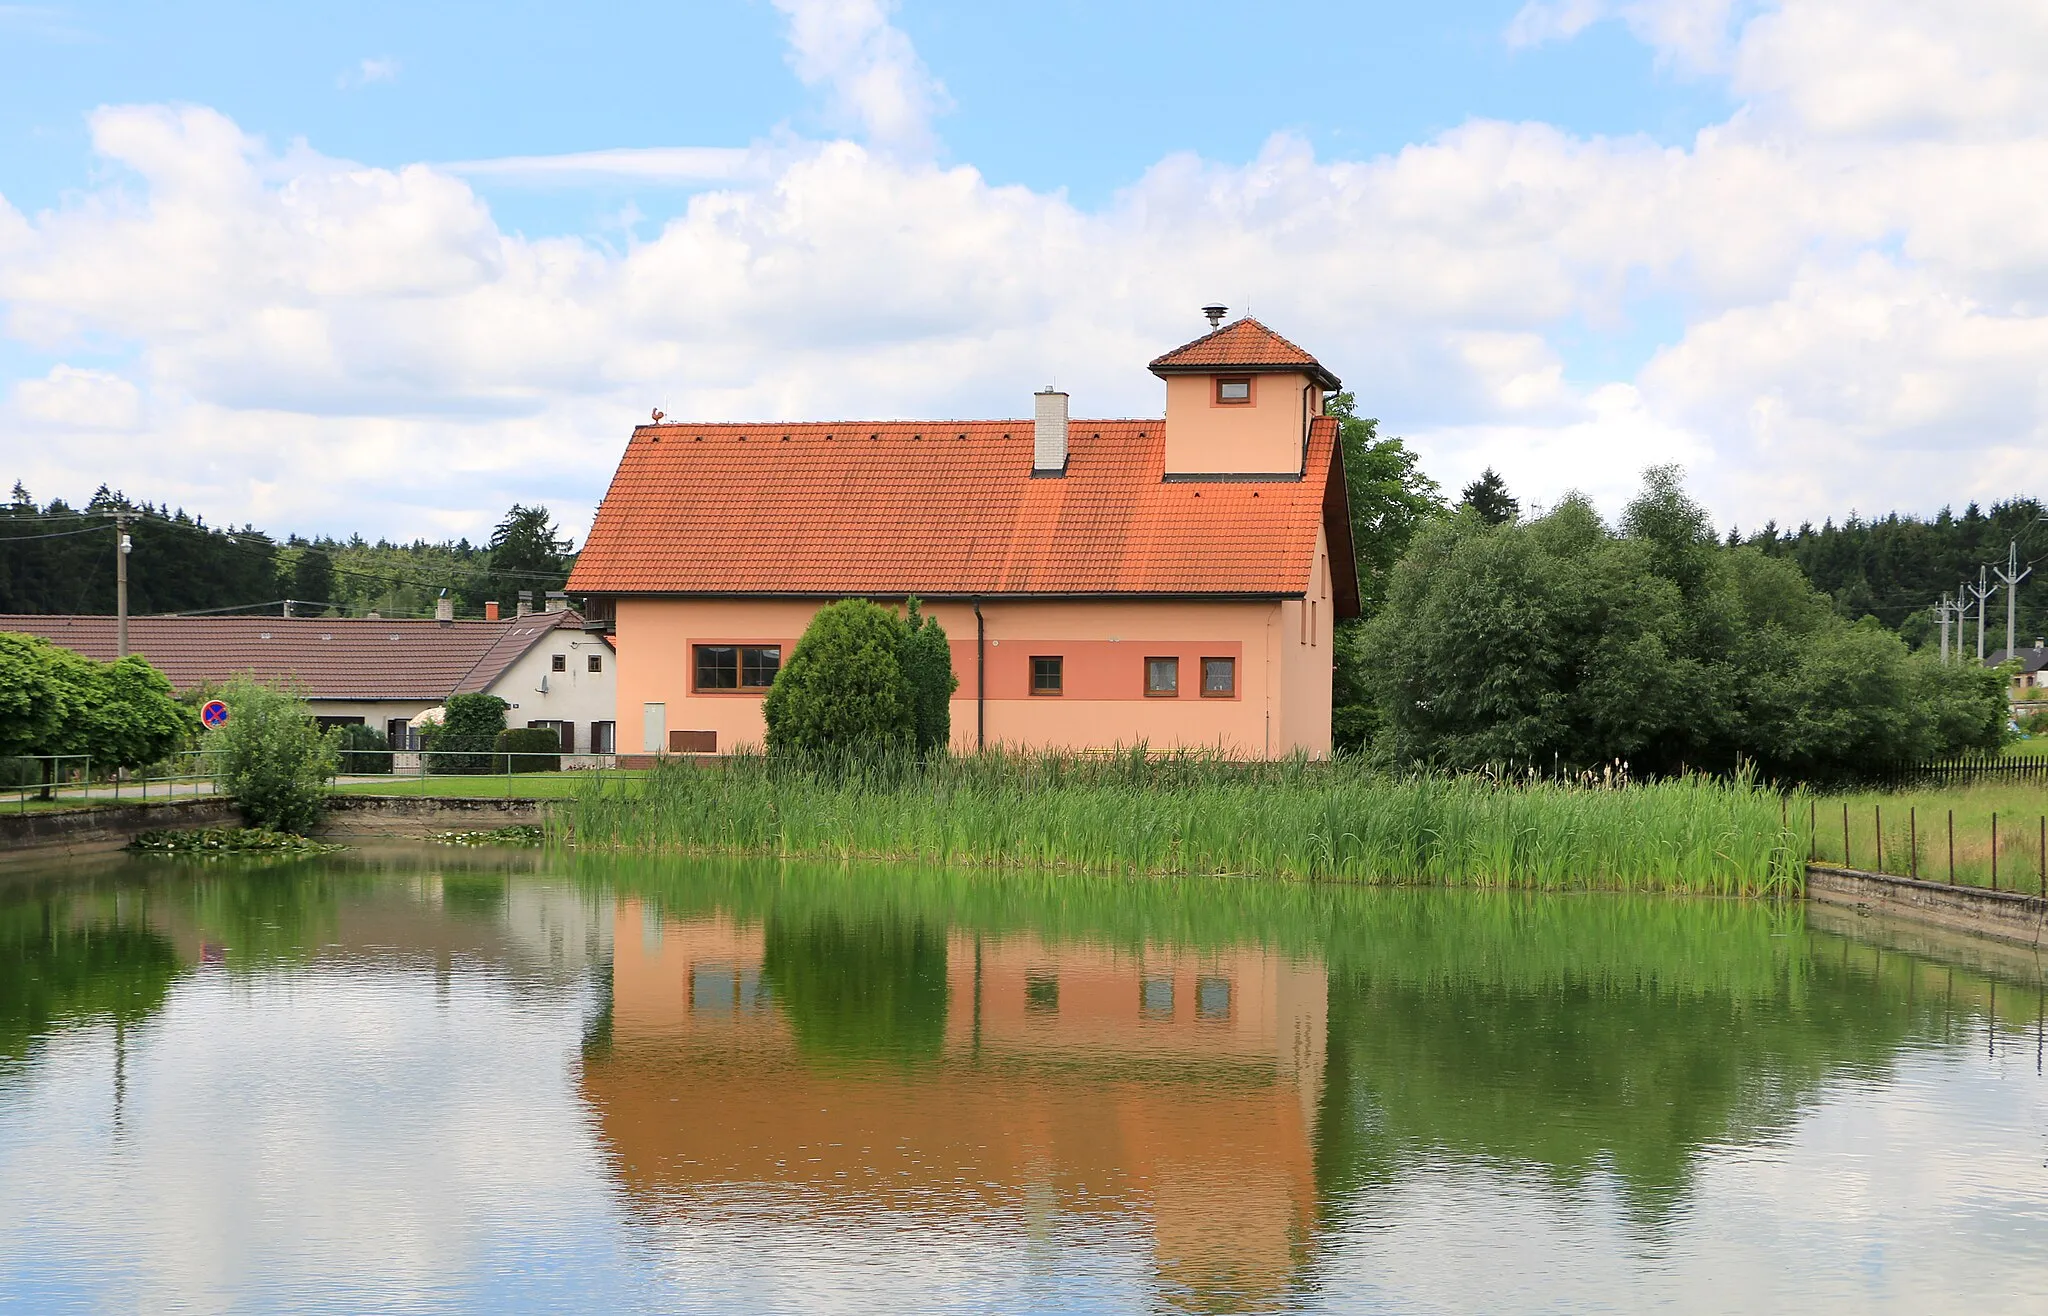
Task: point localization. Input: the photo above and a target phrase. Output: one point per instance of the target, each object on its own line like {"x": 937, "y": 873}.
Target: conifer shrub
{"x": 843, "y": 692}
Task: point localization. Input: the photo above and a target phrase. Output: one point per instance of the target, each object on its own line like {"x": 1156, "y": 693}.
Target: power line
{"x": 58, "y": 534}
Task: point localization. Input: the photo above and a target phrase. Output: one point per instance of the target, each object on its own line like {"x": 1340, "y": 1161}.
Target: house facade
{"x": 1171, "y": 581}
{"x": 381, "y": 673}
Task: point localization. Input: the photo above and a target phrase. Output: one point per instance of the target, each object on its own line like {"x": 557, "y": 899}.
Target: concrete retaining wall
{"x": 61, "y": 833}
{"x": 352, "y": 816}
{"x": 2006, "y": 915}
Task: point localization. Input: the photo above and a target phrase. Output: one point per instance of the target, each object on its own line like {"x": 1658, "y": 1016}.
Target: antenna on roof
{"x": 1215, "y": 314}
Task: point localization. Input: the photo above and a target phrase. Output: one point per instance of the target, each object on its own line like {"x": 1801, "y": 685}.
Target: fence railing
{"x": 1963, "y": 771}
{"x": 2005, "y": 852}
{"x": 68, "y": 780}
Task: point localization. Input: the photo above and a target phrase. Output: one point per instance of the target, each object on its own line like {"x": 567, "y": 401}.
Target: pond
{"x": 415, "y": 1079}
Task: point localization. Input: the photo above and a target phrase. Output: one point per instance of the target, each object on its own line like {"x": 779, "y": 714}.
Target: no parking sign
{"x": 214, "y": 713}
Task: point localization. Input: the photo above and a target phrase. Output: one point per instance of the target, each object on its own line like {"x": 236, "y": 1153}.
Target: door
{"x": 654, "y": 728}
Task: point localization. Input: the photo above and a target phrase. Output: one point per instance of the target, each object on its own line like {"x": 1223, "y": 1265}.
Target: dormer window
{"x": 1233, "y": 389}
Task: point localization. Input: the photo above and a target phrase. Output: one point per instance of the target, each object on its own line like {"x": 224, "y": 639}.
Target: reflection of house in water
{"x": 957, "y": 1075}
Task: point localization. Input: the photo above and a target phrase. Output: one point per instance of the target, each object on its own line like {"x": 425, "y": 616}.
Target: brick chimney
{"x": 444, "y": 607}
{"x": 490, "y": 609}
{"x": 1049, "y": 437}
{"x": 526, "y": 603}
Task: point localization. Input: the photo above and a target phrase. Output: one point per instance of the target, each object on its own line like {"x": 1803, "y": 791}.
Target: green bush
{"x": 272, "y": 757}
{"x": 843, "y": 693}
{"x": 468, "y": 732}
{"x": 528, "y": 749}
{"x": 364, "y": 750}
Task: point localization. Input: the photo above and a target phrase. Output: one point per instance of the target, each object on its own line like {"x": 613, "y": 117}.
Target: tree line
{"x": 55, "y": 558}
{"x": 1561, "y": 642}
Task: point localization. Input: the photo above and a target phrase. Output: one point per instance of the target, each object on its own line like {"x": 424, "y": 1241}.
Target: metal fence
{"x": 2006, "y": 851}
{"x": 68, "y": 780}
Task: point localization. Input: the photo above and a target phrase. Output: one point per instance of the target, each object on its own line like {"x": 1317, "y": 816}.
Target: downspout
{"x": 980, "y": 697}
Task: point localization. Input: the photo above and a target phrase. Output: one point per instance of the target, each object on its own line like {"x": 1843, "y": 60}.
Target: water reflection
{"x": 471, "y": 1080}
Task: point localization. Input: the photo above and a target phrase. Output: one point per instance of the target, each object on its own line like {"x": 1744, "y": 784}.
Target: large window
{"x": 737, "y": 666}
{"x": 1219, "y": 678}
{"x": 1162, "y": 677}
{"x": 1047, "y": 676}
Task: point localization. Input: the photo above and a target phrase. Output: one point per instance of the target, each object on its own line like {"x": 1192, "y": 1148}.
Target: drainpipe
{"x": 980, "y": 683}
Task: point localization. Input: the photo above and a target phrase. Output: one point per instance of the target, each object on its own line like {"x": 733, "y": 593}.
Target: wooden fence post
{"x": 1951, "y": 847}
{"x": 1877, "y": 815}
{"x": 1994, "y": 852}
{"x": 1913, "y": 839}
{"x": 1845, "y": 835}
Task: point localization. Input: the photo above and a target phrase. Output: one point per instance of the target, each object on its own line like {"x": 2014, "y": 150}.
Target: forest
{"x": 56, "y": 558}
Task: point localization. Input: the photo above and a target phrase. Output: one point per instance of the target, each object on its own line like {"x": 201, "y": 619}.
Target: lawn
{"x": 1926, "y": 816}
{"x": 2035, "y": 747}
{"x": 523, "y": 785}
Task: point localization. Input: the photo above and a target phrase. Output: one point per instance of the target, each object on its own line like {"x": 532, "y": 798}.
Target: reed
{"x": 1183, "y": 815}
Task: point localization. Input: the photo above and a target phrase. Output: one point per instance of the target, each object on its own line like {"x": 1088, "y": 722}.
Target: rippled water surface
{"x": 435, "y": 1080}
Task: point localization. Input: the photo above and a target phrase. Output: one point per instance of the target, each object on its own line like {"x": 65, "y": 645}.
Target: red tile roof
{"x": 334, "y": 658}
{"x": 1243, "y": 345}
{"x": 950, "y": 508}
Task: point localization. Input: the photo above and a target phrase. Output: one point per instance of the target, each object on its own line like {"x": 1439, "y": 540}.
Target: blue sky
{"x": 258, "y": 251}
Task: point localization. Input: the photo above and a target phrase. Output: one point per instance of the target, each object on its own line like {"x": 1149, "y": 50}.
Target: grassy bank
{"x": 1189, "y": 817}
{"x": 1878, "y": 832}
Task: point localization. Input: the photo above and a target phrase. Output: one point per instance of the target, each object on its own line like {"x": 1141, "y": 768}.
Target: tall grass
{"x": 1186, "y": 815}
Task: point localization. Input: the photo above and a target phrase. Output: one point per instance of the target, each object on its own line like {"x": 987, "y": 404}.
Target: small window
{"x": 1046, "y": 676}
{"x": 1219, "y": 677}
{"x": 1212, "y": 998}
{"x": 1162, "y": 676}
{"x": 1233, "y": 390}
{"x": 595, "y": 662}
{"x": 759, "y": 664}
{"x": 561, "y": 662}
{"x": 1155, "y": 998}
{"x": 718, "y": 667}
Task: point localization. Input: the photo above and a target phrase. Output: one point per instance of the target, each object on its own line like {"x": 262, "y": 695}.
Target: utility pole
{"x": 1982, "y": 591}
{"x": 1941, "y": 611}
{"x": 123, "y": 545}
{"x": 2010, "y": 578}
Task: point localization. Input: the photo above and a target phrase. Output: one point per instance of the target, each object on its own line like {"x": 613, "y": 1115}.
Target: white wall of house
{"x": 539, "y": 693}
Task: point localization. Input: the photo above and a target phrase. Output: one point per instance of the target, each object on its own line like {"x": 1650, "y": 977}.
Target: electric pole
{"x": 122, "y": 547}
{"x": 1941, "y": 612}
{"x": 2011, "y": 577}
{"x": 1982, "y": 591}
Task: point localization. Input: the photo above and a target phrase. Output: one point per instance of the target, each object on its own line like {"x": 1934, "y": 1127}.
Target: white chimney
{"x": 444, "y": 607}
{"x": 1049, "y": 443}
{"x": 525, "y": 603}
{"x": 557, "y": 601}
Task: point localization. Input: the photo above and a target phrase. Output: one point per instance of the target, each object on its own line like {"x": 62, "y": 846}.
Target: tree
{"x": 54, "y": 701}
{"x": 467, "y": 735}
{"x": 313, "y": 579}
{"x": 271, "y": 757}
{"x": 843, "y": 692}
{"x": 927, "y": 662}
{"x": 1390, "y": 499}
{"x": 1488, "y": 497}
{"x": 1560, "y": 641}
{"x": 526, "y": 554}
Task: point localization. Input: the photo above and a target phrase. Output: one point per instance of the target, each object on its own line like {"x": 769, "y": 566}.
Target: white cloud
{"x": 1863, "y": 286}
{"x": 878, "y": 85}
{"x": 380, "y": 69}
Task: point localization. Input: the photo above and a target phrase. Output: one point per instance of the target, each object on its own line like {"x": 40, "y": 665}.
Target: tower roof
{"x": 1243, "y": 345}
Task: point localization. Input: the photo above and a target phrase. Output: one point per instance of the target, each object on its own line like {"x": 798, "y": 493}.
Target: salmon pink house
{"x": 1171, "y": 581}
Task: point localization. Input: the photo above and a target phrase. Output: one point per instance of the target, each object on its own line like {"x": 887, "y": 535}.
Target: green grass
{"x": 2034, "y": 747}
{"x": 1924, "y": 814}
{"x": 1182, "y": 815}
{"x": 524, "y": 785}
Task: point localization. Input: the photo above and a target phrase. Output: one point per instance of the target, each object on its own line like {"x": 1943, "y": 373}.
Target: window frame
{"x": 593, "y": 664}
{"x": 1172, "y": 692}
{"x": 558, "y": 662}
{"x": 1250, "y": 397}
{"x": 1207, "y": 693}
{"x": 1059, "y": 675}
{"x": 740, "y": 649}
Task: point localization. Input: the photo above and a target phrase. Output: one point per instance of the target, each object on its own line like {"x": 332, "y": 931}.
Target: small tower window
{"x": 1234, "y": 390}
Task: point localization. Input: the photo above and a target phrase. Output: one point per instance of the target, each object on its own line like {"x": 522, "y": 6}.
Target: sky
{"x": 389, "y": 268}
